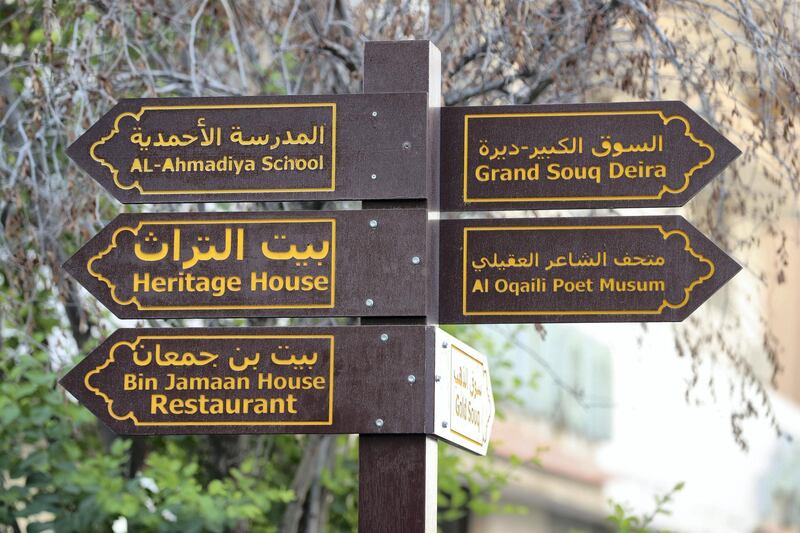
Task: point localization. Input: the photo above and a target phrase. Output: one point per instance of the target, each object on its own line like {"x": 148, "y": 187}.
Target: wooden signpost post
{"x": 396, "y": 380}
{"x": 397, "y": 475}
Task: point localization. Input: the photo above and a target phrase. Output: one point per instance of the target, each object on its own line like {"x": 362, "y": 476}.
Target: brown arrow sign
{"x": 648, "y": 154}
{"x": 259, "y": 380}
{"x": 360, "y": 146}
{"x": 320, "y": 263}
{"x": 599, "y": 269}
{"x": 366, "y": 379}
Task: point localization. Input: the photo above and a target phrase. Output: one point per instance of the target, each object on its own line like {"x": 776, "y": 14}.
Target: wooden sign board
{"x": 464, "y": 406}
{"x": 359, "y": 146}
{"x": 599, "y": 269}
{"x": 257, "y": 380}
{"x": 320, "y": 263}
{"x": 648, "y": 154}
{"x": 340, "y": 379}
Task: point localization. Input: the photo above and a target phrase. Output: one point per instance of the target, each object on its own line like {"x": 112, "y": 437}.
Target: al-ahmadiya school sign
{"x": 385, "y": 265}
{"x": 259, "y": 148}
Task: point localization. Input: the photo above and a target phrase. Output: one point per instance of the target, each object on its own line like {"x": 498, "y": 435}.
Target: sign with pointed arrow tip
{"x": 578, "y": 156}
{"x": 598, "y": 269}
{"x": 350, "y": 147}
{"x": 289, "y": 263}
{"x": 257, "y": 380}
{"x": 338, "y": 379}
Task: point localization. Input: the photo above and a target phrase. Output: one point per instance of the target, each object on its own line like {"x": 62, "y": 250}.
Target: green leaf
{"x": 9, "y": 413}
{"x": 36, "y": 37}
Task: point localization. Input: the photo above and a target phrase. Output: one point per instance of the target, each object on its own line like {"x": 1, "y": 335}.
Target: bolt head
{"x": 406, "y": 145}
{"x": 415, "y": 260}
{"x": 369, "y": 302}
{"x": 379, "y": 422}
{"x": 445, "y": 344}
{"x": 412, "y": 378}
{"x": 437, "y": 378}
{"x": 374, "y": 113}
{"x": 384, "y": 337}
{"x": 374, "y": 176}
{"x": 373, "y": 223}
{"x": 444, "y": 424}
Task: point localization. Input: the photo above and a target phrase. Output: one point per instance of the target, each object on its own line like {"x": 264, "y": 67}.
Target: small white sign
{"x": 464, "y": 406}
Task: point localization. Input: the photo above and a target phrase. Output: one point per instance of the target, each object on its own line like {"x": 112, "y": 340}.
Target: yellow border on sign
{"x": 451, "y": 395}
{"x": 665, "y": 303}
{"x": 135, "y": 301}
{"x": 132, "y": 417}
{"x": 136, "y": 116}
{"x": 664, "y": 188}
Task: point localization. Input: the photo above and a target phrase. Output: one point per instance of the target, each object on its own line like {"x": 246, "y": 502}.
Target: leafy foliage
{"x": 59, "y": 474}
{"x": 625, "y": 522}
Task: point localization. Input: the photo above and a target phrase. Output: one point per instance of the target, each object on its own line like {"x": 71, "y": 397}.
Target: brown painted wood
{"x": 398, "y": 474}
{"x": 346, "y": 259}
{"x": 131, "y": 381}
{"x": 599, "y": 269}
{"x": 644, "y": 154}
{"x": 198, "y": 149}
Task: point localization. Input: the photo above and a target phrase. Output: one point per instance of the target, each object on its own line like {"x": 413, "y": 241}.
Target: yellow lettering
{"x": 483, "y": 173}
{"x": 158, "y": 404}
{"x": 144, "y": 282}
{"x": 563, "y": 285}
{"x": 321, "y": 283}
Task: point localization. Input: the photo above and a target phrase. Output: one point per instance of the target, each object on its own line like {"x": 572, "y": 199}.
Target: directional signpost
{"x": 279, "y": 380}
{"x": 319, "y": 263}
{"x": 647, "y": 154}
{"x": 396, "y": 380}
{"x": 599, "y": 269}
{"x": 258, "y": 148}
{"x": 464, "y": 405}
